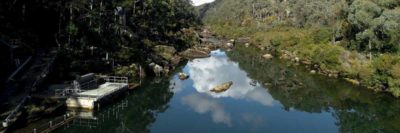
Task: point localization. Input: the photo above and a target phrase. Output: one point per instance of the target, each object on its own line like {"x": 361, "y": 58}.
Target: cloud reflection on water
{"x": 203, "y": 104}
{"x": 207, "y": 73}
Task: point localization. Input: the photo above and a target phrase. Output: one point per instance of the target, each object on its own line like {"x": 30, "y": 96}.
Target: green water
{"x": 266, "y": 96}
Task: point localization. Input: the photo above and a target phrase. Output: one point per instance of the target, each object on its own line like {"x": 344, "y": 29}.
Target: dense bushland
{"x": 89, "y": 31}
{"x": 353, "y": 39}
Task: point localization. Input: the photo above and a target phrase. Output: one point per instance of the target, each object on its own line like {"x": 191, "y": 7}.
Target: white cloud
{"x": 200, "y": 2}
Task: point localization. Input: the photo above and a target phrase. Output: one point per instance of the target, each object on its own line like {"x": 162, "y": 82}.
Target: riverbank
{"x": 314, "y": 49}
{"x": 259, "y": 94}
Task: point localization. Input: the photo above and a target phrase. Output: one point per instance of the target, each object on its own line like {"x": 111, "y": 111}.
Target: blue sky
{"x": 199, "y": 2}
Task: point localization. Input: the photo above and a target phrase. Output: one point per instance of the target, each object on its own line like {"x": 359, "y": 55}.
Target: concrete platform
{"x": 89, "y": 99}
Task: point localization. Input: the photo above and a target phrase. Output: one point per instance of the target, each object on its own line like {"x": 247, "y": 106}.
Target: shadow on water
{"x": 355, "y": 109}
{"x": 136, "y": 113}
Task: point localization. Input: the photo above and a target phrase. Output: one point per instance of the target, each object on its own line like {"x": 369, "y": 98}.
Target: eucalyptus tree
{"x": 361, "y": 15}
{"x": 375, "y": 23}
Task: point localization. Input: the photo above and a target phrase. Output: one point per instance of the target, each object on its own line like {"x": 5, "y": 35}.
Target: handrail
{"x": 81, "y": 87}
{"x": 116, "y": 79}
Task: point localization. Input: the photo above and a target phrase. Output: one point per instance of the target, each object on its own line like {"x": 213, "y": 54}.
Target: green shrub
{"x": 128, "y": 71}
{"x": 327, "y": 54}
{"x": 395, "y": 71}
{"x": 385, "y": 63}
{"x": 322, "y": 35}
{"x": 306, "y": 51}
{"x": 72, "y": 29}
{"x": 394, "y": 86}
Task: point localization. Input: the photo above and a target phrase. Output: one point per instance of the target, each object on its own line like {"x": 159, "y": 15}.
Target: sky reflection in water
{"x": 207, "y": 73}
{"x": 245, "y": 107}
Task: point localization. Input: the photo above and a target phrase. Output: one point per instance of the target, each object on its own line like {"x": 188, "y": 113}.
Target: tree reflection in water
{"x": 143, "y": 107}
{"x": 355, "y": 109}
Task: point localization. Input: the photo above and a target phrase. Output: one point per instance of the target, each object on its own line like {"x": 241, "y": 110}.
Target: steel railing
{"x": 75, "y": 89}
{"x": 116, "y": 79}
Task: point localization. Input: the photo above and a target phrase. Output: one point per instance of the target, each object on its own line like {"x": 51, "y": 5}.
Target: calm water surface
{"x": 266, "y": 96}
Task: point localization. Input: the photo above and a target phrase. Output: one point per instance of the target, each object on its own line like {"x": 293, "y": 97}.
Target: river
{"x": 266, "y": 96}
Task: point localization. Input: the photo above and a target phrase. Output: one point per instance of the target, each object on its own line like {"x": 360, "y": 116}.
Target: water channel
{"x": 266, "y": 96}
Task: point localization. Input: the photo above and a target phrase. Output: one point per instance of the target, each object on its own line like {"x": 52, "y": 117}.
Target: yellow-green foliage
{"x": 280, "y": 36}
{"x": 354, "y": 23}
{"x": 355, "y": 66}
{"x": 327, "y": 54}
{"x": 395, "y": 71}
{"x": 129, "y": 71}
{"x": 314, "y": 44}
{"x": 388, "y": 71}
{"x": 229, "y": 31}
{"x": 309, "y": 44}
{"x": 394, "y": 86}
{"x": 386, "y": 62}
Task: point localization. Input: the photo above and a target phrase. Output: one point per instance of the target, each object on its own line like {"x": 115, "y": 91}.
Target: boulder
{"x": 313, "y": 72}
{"x": 206, "y": 33}
{"x": 268, "y": 56}
{"x": 253, "y": 83}
{"x": 166, "y": 52}
{"x": 296, "y": 59}
{"x": 157, "y": 69}
{"x": 305, "y": 62}
{"x": 352, "y": 81}
{"x": 195, "y": 53}
{"x": 176, "y": 60}
{"x": 229, "y": 44}
{"x": 267, "y": 84}
{"x": 247, "y": 45}
{"x": 243, "y": 40}
{"x": 222, "y": 88}
{"x": 183, "y": 76}
{"x": 206, "y": 48}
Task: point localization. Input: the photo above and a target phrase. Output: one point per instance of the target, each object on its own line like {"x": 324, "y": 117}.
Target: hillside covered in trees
{"x": 358, "y": 40}
{"x": 124, "y": 31}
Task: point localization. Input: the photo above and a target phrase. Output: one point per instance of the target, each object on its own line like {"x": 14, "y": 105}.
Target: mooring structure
{"x": 86, "y": 93}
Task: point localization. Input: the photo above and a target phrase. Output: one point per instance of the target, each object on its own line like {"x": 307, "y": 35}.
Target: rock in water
{"x": 222, "y": 88}
{"x": 183, "y": 76}
{"x": 253, "y": 83}
{"x": 352, "y": 81}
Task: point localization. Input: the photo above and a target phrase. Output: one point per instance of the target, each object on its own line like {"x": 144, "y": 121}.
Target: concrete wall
{"x": 84, "y": 103}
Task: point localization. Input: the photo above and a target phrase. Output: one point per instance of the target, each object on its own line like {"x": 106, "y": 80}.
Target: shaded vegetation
{"x": 93, "y": 32}
{"x": 141, "y": 112}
